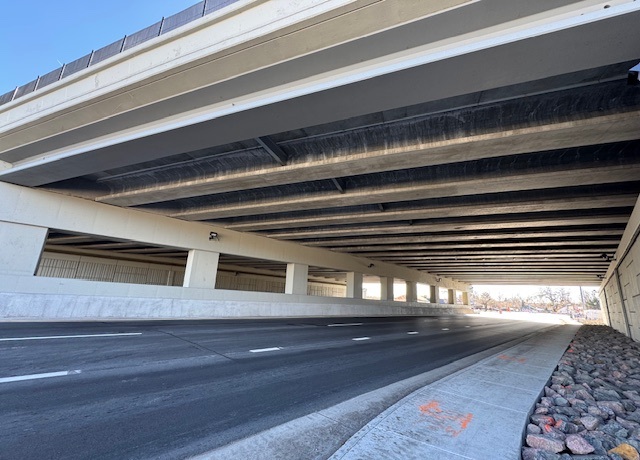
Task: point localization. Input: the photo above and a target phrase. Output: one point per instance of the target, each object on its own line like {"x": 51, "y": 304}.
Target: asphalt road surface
{"x": 173, "y": 389}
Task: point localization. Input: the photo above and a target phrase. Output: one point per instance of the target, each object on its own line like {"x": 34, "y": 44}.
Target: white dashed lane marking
{"x": 412, "y": 332}
{"x": 361, "y": 338}
{"x": 15, "y": 339}
{"x": 344, "y": 324}
{"x": 262, "y": 350}
{"x": 47, "y": 375}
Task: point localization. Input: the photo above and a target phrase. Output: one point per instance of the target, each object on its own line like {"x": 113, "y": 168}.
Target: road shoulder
{"x": 320, "y": 434}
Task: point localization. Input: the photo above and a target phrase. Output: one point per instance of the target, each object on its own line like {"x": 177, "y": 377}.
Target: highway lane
{"x": 177, "y": 388}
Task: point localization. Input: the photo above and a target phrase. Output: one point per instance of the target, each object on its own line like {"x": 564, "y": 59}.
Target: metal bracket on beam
{"x": 340, "y": 184}
{"x": 273, "y": 149}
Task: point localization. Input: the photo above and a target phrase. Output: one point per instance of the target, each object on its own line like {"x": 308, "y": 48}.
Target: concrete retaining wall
{"x": 620, "y": 290}
{"x": 620, "y": 297}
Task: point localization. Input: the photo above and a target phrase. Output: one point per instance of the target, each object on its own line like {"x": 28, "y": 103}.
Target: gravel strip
{"x": 591, "y": 409}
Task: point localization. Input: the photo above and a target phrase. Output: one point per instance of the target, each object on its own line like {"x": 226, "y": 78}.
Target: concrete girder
{"x": 598, "y": 246}
{"x": 464, "y": 262}
{"x": 420, "y": 241}
{"x": 69, "y": 239}
{"x": 420, "y": 212}
{"x": 477, "y": 185}
{"x": 104, "y": 246}
{"x": 492, "y": 255}
{"x": 148, "y": 251}
{"x": 405, "y": 251}
{"x": 507, "y": 268}
{"x": 497, "y": 256}
{"x": 522, "y": 270}
{"x": 412, "y": 242}
{"x": 604, "y": 129}
{"x": 539, "y": 280}
{"x": 498, "y": 224}
{"x": 489, "y": 261}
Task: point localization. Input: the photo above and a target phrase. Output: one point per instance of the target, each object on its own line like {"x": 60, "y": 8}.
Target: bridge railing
{"x": 128, "y": 41}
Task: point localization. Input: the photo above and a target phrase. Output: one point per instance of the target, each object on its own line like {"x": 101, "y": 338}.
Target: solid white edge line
{"x": 262, "y": 350}
{"x": 46, "y": 375}
{"x": 344, "y": 324}
{"x": 15, "y": 339}
{"x": 361, "y": 338}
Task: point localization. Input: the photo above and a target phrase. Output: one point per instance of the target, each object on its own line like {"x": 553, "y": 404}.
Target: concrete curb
{"x": 476, "y": 413}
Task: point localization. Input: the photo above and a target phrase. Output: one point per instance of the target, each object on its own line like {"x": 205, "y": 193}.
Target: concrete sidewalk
{"x": 478, "y": 413}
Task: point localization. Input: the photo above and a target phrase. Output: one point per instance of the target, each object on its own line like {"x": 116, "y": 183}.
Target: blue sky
{"x": 37, "y": 36}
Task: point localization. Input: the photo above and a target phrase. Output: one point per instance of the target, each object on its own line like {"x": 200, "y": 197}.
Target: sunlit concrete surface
{"x": 549, "y": 318}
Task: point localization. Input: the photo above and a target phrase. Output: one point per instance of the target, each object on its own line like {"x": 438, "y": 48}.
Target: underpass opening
{"x": 443, "y": 295}
{"x": 423, "y": 293}
{"x": 560, "y": 303}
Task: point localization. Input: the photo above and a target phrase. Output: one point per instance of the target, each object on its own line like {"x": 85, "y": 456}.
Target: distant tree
{"x": 591, "y": 300}
{"x": 485, "y": 300}
{"x": 516, "y": 302}
{"x": 557, "y": 297}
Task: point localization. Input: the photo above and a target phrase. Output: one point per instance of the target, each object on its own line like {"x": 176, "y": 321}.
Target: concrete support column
{"x": 412, "y": 291}
{"x": 297, "y": 279}
{"x": 354, "y": 285}
{"x": 434, "y": 293}
{"x": 20, "y": 248}
{"x": 465, "y": 298}
{"x": 386, "y": 288}
{"x": 451, "y": 296}
{"x": 202, "y": 269}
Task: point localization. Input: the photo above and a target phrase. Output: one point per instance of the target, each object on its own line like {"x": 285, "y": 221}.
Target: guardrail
{"x": 128, "y": 41}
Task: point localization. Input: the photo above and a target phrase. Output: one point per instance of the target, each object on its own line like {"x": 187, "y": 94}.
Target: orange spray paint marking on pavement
{"x": 451, "y": 422}
{"x": 464, "y": 423}
{"x": 430, "y": 406}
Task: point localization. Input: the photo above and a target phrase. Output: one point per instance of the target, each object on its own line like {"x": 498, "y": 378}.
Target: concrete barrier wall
{"x": 621, "y": 294}
{"x": 39, "y": 298}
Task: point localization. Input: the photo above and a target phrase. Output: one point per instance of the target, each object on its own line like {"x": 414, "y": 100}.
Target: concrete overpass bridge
{"x": 294, "y": 148}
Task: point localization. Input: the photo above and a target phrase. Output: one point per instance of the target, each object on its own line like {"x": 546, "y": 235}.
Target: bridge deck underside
{"x": 532, "y": 183}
